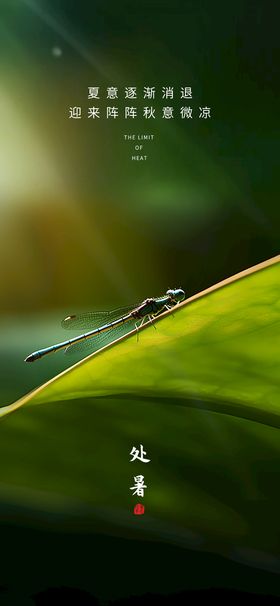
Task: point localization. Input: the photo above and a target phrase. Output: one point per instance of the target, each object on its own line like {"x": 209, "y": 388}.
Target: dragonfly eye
{"x": 170, "y": 292}
{"x": 180, "y": 295}
{"x": 177, "y": 295}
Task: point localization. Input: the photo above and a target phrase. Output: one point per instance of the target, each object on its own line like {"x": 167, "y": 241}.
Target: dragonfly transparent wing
{"x": 100, "y": 340}
{"x": 95, "y": 319}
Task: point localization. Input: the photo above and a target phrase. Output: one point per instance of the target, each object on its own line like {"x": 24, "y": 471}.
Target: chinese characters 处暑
{"x": 139, "y": 481}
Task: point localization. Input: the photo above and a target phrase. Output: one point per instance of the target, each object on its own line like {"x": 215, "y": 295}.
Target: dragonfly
{"x": 106, "y": 326}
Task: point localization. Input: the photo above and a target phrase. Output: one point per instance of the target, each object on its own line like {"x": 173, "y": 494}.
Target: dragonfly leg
{"x": 151, "y": 318}
{"x": 152, "y": 321}
{"x": 137, "y": 333}
{"x": 169, "y": 307}
{"x": 137, "y": 327}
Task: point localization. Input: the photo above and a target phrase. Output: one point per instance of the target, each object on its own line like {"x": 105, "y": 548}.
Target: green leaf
{"x": 201, "y": 392}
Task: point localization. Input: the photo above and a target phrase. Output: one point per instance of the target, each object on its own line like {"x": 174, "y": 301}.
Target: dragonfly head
{"x": 177, "y": 295}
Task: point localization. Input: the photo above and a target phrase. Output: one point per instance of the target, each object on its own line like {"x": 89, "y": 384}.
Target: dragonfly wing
{"x": 95, "y": 319}
{"x": 98, "y": 341}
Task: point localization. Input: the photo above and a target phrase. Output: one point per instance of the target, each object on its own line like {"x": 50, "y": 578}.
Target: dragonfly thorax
{"x": 149, "y": 306}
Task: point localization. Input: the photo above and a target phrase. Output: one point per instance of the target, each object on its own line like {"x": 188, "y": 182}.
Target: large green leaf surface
{"x": 201, "y": 392}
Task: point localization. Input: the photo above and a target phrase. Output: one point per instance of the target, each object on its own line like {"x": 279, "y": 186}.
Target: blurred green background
{"x": 82, "y": 227}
